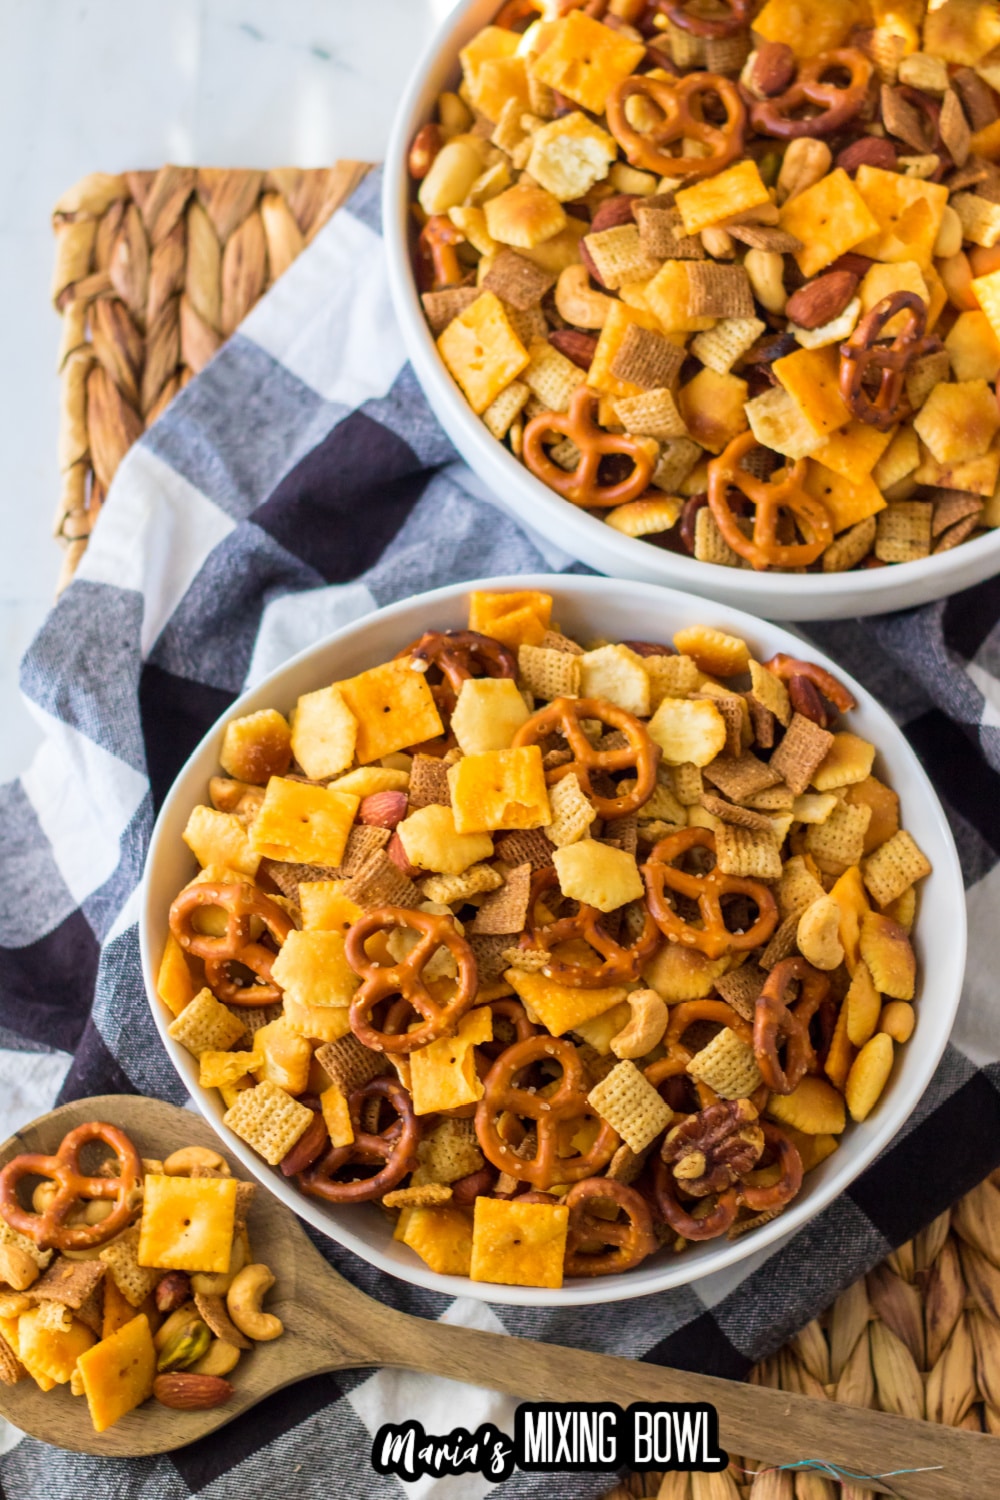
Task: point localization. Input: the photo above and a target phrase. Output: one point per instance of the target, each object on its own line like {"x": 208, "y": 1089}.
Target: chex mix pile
{"x": 557, "y": 952}
{"x": 728, "y": 274}
{"x": 125, "y": 1277}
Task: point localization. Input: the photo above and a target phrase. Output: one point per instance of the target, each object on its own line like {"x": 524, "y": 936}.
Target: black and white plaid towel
{"x": 298, "y": 483}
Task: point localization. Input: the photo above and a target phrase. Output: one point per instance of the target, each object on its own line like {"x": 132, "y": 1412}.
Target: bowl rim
{"x": 812, "y": 595}
{"x": 884, "y": 1126}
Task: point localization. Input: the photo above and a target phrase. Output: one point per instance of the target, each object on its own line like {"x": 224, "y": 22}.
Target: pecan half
{"x": 577, "y": 346}
{"x": 714, "y": 1148}
{"x": 807, "y": 700}
{"x": 869, "y": 151}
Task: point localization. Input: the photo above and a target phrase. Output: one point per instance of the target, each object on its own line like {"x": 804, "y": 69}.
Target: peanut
{"x": 452, "y": 173}
{"x": 718, "y": 243}
{"x": 766, "y": 269}
{"x": 949, "y": 235}
{"x": 454, "y": 115}
{"x": 646, "y": 1027}
{"x": 578, "y": 302}
{"x": 805, "y": 162}
{"x": 818, "y": 934}
{"x": 897, "y": 1020}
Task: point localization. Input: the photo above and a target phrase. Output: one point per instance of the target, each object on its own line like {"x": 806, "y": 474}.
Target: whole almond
{"x": 870, "y": 151}
{"x": 773, "y": 69}
{"x": 822, "y": 300}
{"x": 397, "y": 853}
{"x": 577, "y": 346}
{"x": 383, "y": 809}
{"x": 613, "y": 212}
{"x": 186, "y": 1392}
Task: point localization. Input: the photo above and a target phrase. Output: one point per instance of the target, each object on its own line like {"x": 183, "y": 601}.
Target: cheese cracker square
{"x": 187, "y": 1223}
{"x": 519, "y": 1244}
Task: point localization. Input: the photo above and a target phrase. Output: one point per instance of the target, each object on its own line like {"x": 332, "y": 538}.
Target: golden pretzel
{"x": 786, "y": 667}
{"x": 708, "y": 26}
{"x": 457, "y": 654}
{"x": 405, "y": 978}
{"x": 770, "y": 499}
{"x": 620, "y": 964}
{"x": 681, "y": 105}
{"x": 777, "y": 1022}
{"x": 568, "y": 1103}
{"x": 582, "y": 485}
{"x": 438, "y": 265}
{"x": 395, "y": 1147}
{"x": 713, "y": 938}
{"x": 863, "y": 354}
{"x": 836, "y": 105}
{"x": 242, "y": 903}
{"x": 626, "y": 1243}
{"x": 48, "y": 1229}
{"x": 563, "y": 716}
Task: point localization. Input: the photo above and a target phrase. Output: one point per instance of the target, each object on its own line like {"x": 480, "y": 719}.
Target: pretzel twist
{"x": 708, "y": 26}
{"x": 863, "y": 355}
{"x": 836, "y": 105}
{"x": 620, "y": 964}
{"x": 457, "y": 654}
{"x": 48, "y": 1229}
{"x": 786, "y": 667}
{"x": 550, "y": 1112}
{"x": 625, "y": 1243}
{"x": 438, "y": 265}
{"x": 564, "y": 716}
{"x": 713, "y": 938}
{"x": 682, "y": 105}
{"x": 582, "y": 485}
{"x": 396, "y": 1146}
{"x": 405, "y": 978}
{"x": 728, "y": 1203}
{"x": 770, "y": 499}
{"x": 778, "y": 1022}
{"x": 243, "y": 904}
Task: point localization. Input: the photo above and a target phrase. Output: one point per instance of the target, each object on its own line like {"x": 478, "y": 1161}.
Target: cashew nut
{"x": 180, "y": 1163}
{"x": 645, "y": 1029}
{"x": 804, "y": 163}
{"x": 219, "y": 1359}
{"x": 217, "y": 1283}
{"x": 818, "y": 934}
{"x": 766, "y": 269}
{"x": 243, "y": 1301}
{"x": 452, "y": 173}
{"x": 577, "y": 302}
{"x": 17, "y": 1268}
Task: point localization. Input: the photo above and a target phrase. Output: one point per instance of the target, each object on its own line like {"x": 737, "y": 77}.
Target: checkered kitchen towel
{"x": 298, "y": 483}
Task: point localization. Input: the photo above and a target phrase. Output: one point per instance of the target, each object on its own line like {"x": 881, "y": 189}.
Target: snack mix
{"x": 558, "y": 953}
{"x": 727, "y": 274}
{"x": 127, "y": 1278}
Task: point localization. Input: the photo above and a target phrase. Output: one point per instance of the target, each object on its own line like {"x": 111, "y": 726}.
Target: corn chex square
{"x": 572, "y": 813}
{"x": 653, "y": 414}
{"x": 841, "y": 838}
{"x": 894, "y": 867}
{"x": 450, "y": 1151}
{"x": 269, "y": 1120}
{"x": 670, "y": 677}
{"x": 720, "y": 347}
{"x": 549, "y": 673}
{"x": 205, "y": 1025}
{"x": 903, "y": 531}
{"x": 620, "y": 256}
{"x": 551, "y": 376}
{"x": 678, "y": 457}
{"x": 727, "y": 1065}
{"x": 782, "y": 943}
{"x": 797, "y": 888}
{"x": 802, "y": 751}
{"x": 747, "y": 852}
{"x": 631, "y": 1105}
{"x": 771, "y": 692}
{"x": 121, "y": 1258}
{"x": 709, "y": 544}
{"x": 848, "y": 549}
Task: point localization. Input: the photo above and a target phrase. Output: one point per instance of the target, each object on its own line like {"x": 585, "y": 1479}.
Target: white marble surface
{"x": 90, "y": 85}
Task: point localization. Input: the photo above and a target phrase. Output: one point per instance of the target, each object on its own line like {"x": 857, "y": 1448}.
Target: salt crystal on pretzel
{"x": 516, "y": 280}
{"x": 848, "y": 549}
{"x": 841, "y": 838}
{"x": 549, "y": 673}
{"x": 269, "y": 1120}
{"x": 505, "y": 910}
{"x": 728, "y": 1065}
{"x": 631, "y": 1106}
{"x": 801, "y": 752}
{"x": 648, "y": 359}
{"x": 718, "y": 291}
{"x": 748, "y": 852}
{"x": 206, "y": 1025}
{"x": 894, "y": 867}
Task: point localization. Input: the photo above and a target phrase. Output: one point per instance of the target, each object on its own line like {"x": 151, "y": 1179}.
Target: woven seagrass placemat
{"x": 153, "y": 272}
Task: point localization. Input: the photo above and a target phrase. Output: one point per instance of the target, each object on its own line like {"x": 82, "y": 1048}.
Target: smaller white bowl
{"x": 586, "y": 607}
{"x": 778, "y": 596}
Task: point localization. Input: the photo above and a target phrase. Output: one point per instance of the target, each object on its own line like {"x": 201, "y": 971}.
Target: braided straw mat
{"x": 153, "y": 272}
{"x": 918, "y": 1336}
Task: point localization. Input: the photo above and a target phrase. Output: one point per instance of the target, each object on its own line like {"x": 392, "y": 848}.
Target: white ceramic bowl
{"x": 588, "y": 607}
{"x": 779, "y": 596}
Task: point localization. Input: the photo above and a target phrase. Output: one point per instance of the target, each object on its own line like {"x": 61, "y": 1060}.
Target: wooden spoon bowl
{"x": 330, "y": 1325}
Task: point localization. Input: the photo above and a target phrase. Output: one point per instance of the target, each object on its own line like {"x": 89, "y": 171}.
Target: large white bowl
{"x": 779, "y": 596}
{"x": 587, "y": 607}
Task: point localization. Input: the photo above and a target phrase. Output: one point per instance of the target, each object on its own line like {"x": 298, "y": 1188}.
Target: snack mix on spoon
{"x": 125, "y": 1277}
{"x": 728, "y": 274}
{"x": 559, "y": 952}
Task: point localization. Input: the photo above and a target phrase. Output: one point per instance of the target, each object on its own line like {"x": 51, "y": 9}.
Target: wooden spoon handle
{"x": 770, "y": 1426}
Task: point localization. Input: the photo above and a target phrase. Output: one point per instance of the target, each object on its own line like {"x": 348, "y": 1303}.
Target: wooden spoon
{"x": 332, "y": 1326}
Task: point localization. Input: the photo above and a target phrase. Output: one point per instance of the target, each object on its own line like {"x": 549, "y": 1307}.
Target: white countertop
{"x": 106, "y": 85}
